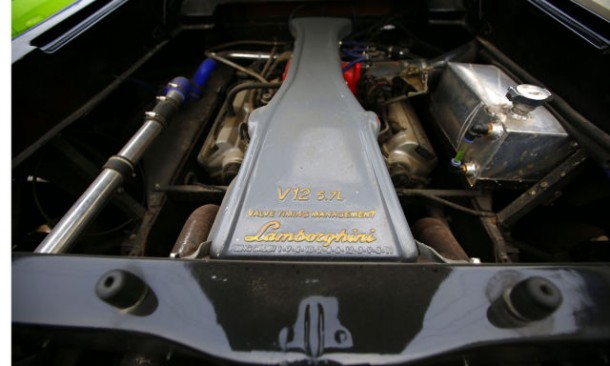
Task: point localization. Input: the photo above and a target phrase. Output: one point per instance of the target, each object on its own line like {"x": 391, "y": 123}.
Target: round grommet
{"x": 535, "y": 298}
{"x": 121, "y": 289}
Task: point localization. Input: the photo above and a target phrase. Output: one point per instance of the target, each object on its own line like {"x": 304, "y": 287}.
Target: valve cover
{"x": 313, "y": 184}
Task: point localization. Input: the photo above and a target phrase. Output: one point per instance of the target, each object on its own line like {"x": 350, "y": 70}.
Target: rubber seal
{"x": 163, "y": 113}
{"x": 121, "y": 165}
{"x": 157, "y": 118}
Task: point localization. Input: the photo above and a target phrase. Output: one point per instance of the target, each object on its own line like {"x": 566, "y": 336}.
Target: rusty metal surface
{"x": 435, "y": 233}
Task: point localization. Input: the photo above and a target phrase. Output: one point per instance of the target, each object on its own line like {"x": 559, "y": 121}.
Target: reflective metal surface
{"x": 410, "y": 147}
{"x": 273, "y": 313}
{"x": 225, "y": 146}
{"x": 529, "y": 146}
{"x": 137, "y": 145}
{"x": 72, "y": 224}
{"x": 90, "y": 203}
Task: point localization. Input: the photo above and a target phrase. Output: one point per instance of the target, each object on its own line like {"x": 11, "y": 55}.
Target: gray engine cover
{"x": 313, "y": 184}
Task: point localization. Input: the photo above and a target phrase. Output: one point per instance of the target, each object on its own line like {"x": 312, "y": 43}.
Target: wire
{"x": 374, "y": 30}
{"x": 245, "y": 86}
{"x": 112, "y": 230}
{"x": 279, "y": 59}
{"x": 34, "y": 177}
{"x": 353, "y": 63}
{"x": 214, "y": 188}
{"x": 468, "y": 122}
{"x": 236, "y": 66}
{"x": 246, "y": 42}
{"x": 294, "y": 12}
{"x": 351, "y": 42}
{"x": 396, "y": 99}
{"x": 37, "y": 201}
{"x": 353, "y": 53}
{"x": 455, "y": 206}
{"x": 267, "y": 67}
{"x": 49, "y": 220}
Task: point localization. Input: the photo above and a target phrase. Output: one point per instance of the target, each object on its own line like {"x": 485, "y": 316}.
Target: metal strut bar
{"x": 118, "y": 167}
{"x": 542, "y": 191}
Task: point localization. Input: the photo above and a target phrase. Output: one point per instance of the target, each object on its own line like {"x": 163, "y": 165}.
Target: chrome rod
{"x": 90, "y": 203}
{"x": 82, "y": 213}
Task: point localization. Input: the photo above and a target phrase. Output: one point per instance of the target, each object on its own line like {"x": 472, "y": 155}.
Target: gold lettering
{"x": 271, "y": 225}
{"x": 302, "y": 194}
{"x": 285, "y": 237}
{"x": 370, "y": 237}
{"x": 281, "y": 194}
{"x": 261, "y": 213}
{"x": 300, "y": 236}
{"x": 269, "y": 233}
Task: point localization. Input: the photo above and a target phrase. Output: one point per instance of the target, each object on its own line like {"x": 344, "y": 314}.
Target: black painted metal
{"x": 543, "y": 190}
{"x": 269, "y": 313}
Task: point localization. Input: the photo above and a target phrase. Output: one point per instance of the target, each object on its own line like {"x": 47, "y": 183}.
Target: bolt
{"x": 532, "y": 192}
{"x": 469, "y": 169}
{"x": 495, "y": 129}
{"x": 544, "y": 184}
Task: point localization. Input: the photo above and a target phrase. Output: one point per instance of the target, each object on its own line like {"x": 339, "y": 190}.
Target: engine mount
{"x": 313, "y": 183}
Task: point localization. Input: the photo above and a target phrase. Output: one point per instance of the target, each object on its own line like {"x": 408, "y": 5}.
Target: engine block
{"x": 313, "y": 184}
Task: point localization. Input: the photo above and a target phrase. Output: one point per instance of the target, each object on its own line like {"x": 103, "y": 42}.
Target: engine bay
{"x": 280, "y": 138}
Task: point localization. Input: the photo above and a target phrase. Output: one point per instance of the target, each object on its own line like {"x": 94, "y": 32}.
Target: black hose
{"x": 246, "y": 86}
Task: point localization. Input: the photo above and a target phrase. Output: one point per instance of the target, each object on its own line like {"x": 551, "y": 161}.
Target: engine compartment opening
{"x": 312, "y": 182}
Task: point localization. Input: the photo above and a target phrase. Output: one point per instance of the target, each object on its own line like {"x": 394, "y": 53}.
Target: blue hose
{"x": 352, "y": 53}
{"x": 202, "y": 75}
{"x": 350, "y": 42}
{"x": 180, "y": 85}
{"x": 353, "y": 63}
